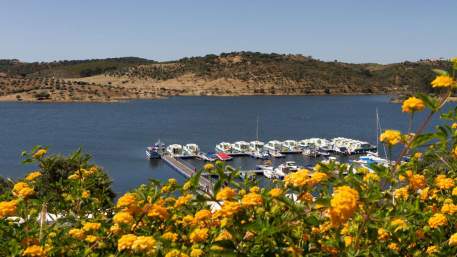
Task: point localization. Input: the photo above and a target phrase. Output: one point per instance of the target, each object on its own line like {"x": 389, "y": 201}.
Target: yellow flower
{"x": 85, "y": 194}
{"x": 391, "y": 137}
{"x": 417, "y": 155}
{"x": 417, "y": 181}
{"x": 172, "y": 181}
{"x": 317, "y": 177}
{"x": 128, "y": 200}
{"x": 202, "y": 215}
{"x": 343, "y": 204}
{"x": 306, "y": 197}
{"x": 182, "y": 200}
{"x": 449, "y": 208}
{"x": 74, "y": 177}
{"x": 393, "y": 247}
{"x": 39, "y": 153}
{"x": 442, "y": 81}
{"x": 432, "y": 249}
{"x": 437, "y": 220}
{"x": 123, "y": 217}
{"x": 8, "y": 208}
{"x": 383, "y": 234}
{"x": 455, "y": 152}
{"x": 252, "y": 199}
{"x": 144, "y": 244}
{"x": 453, "y": 240}
{"x": 126, "y": 242}
{"x": 91, "y": 239}
{"x": 175, "y": 253}
{"x": 23, "y": 190}
{"x": 76, "y": 233}
{"x": 187, "y": 185}
{"x": 115, "y": 229}
{"x": 254, "y": 189}
{"x": 225, "y": 193}
{"x": 170, "y": 236}
{"x": 399, "y": 224}
{"x": 297, "y": 179}
{"x": 371, "y": 177}
{"x": 91, "y": 226}
{"x": 401, "y": 193}
{"x": 228, "y": 209}
{"x": 34, "y": 251}
{"x": 454, "y": 125}
{"x": 157, "y": 210}
{"x": 413, "y": 104}
{"x": 196, "y": 253}
{"x": 275, "y": 192}
{"x": 33, "y": 175}
{"x": 199, "y": 235}
{"x": 224, "y": 235}
{"x": 444, "y": 182}
{"x": 347, "y": 240}
{"x": 454, "y": 191}
{"x": 208, "y": 167}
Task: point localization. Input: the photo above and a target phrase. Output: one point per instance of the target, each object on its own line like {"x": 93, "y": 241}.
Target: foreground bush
{"x": 403, "y": 209}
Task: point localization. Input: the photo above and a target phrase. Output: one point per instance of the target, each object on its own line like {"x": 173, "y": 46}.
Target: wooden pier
{"x": 205, "y": 183}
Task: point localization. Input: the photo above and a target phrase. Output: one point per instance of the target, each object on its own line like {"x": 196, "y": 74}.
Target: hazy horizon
{"x": 348, "y": 31}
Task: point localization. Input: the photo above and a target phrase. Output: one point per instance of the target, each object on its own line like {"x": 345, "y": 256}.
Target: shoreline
{"x": 125, "y": 100}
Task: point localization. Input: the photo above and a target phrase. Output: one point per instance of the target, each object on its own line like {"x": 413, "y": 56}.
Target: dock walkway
{"x": 205, "y": 183}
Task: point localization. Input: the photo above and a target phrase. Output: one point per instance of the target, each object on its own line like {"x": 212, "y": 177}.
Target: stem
{"x": 422, "y": 127}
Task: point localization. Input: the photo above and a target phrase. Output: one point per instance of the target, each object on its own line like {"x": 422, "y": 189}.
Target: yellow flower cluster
{"x": 228, "y": 209}
{"x": 34, "y": 251}
{"x": 123, "y": 217}
{"x": 275, "y": 192}
{"x": 33, "y": 175}
{"x": 76, "y": 233}
{"x": 144, "y": 244}
{"x": 39, "y": 153}
{"x": 449, "y": 207}
{"x": 199, "y": 235}
{"x": 391, "y": 137}
{"x": 432, "y": 249}
{"x": 252, "y": 199}
{"x": 453, "y": 240}
{"x": 8, "y": 208}
{"x": 443, "y": 182}
{"x": 297, "y": 179}
{"x": 158, "y": 211}
{"x": 442, "y": 81}
{"x": 170, "y": 236}
{"x": 371, "y": 177}
{"x": 399, "y": 224}
{"x": 383, "y": 234}
{"x": 126, "y": 242}
{"x": 225, "y": 193}
{"x": 437, "y": 220}
{"x": 417, "y": 181}
{"x": 91, "y": 226}
{"x": 343, "y": 204}
{"x": 182, "y": 200}
{"x": 402, "y": 193}
{"x": 202, "y": 215}
{"x": 23, "y": 190}
{"x": 176, "y": 253}
{"x": 413, "y": 104}
{"x": 208, "y": 167}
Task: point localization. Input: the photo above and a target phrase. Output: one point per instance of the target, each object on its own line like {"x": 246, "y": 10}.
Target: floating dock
{"x": 205, "y": 183}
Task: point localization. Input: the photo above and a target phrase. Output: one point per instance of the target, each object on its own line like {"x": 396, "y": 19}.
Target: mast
{"x": 377, "y": 130}
{"x": 257, "y": 130}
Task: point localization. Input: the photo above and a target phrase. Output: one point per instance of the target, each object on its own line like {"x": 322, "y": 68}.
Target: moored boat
{"x": 156, "y": 150}
{"x": 240, "y": 148}
{"x": 190, "y": 150}
{"x": 175, "y": 150}
{"x": 224, "y": 147}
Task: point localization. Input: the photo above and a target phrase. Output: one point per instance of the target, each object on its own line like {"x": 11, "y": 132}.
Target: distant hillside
{"x": 237, "y": 73}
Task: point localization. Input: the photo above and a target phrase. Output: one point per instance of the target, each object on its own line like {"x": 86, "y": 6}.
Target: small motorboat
{"x": 175, "y": 150}
{"x": 156, "y": 150}
{"x": 190, "y": 151}
{"x": 240, "y": 148}
{"x": 276, "y": 154}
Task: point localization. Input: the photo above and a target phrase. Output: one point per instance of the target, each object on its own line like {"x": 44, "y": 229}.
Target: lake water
{"x": 116, "y": 134}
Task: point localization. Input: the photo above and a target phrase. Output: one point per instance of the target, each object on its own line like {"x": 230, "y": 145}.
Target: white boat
{"x": 286, "y": 168}
{"x": 276, "y": 154}
{"x": 371, "y": 158}
{"x": 240, "y": 148}
{"x": 224, "y": 147}
{"x": 269, "y": 172}
{"x": 175, "y": 150}
{"x": 256, "y": 145}
{"x": 273, "y": 146}
{"x": 290, "y": 146}
{"x": 256, "y": 150}
{"x": 190, "y": 150}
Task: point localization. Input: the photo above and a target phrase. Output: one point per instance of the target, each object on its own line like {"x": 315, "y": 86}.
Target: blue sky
{"x": 352, "y": 31}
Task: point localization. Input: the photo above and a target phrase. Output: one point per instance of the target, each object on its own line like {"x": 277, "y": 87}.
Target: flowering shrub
{"x": 403, "y": 209}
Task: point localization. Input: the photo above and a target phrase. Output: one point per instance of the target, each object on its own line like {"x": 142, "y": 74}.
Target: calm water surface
{"x": 116, "y": 134}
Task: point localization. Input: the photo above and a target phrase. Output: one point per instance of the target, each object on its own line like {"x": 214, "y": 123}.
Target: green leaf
{"x": 430, "y": 102}
{"x": 441, "y": 72}
{"x": 422, "y": 139}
